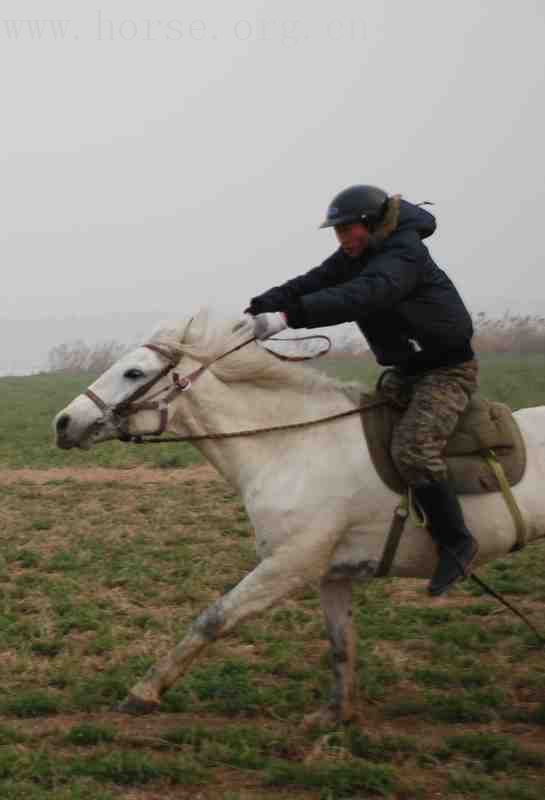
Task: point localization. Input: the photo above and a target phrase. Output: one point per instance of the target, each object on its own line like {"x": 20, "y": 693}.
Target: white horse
{"x": 319, "y": 510}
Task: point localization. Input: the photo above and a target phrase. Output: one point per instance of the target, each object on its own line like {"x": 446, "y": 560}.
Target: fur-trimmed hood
{"x": 402, "y": 216}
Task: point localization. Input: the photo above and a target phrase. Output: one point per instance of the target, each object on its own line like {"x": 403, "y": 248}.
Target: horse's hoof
{"x": 137, "y": 706}
{"x": 327, "y": 719}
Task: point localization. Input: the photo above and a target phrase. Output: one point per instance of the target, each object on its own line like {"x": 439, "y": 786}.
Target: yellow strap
{"x": 418, "y": 519}
{"x": 520, "y": 525}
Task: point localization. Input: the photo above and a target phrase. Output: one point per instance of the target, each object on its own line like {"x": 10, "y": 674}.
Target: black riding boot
{"x": 457, "y": 547}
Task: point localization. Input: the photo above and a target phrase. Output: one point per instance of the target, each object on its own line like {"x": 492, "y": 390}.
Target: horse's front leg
{"x": 303, "y": 559}
{"x": 336, "y": 599}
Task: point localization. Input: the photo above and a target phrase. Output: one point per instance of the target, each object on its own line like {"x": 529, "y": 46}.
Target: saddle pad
{"x": 484, "y": 426}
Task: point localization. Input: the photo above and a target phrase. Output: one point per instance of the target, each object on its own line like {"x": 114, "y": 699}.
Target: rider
{"x": 383, "y": 278}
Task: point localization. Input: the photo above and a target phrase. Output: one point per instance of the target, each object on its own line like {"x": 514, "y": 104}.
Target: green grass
{"x": 517, "y": 380}
{"x": 87, "y": 605}
{"x": 496, "y": 752}
{"x": 468, "y": 785}
{"x": 29, "y": 405}
{"x": 118, "y": 767}
{"x": 90, "y": 735}
{"x": 31, "y": 703}
{"x": 340, "y": 781}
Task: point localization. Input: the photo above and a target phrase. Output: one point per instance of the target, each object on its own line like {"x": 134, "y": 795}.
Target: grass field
{"x": 98, "y": 579}
{"x": 29, "y": 405}
{"x": 517, "y": 380}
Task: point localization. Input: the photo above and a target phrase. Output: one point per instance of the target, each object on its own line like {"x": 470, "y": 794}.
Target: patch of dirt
{"x": 138, "y": 474}
{"x": 153, "y": 726}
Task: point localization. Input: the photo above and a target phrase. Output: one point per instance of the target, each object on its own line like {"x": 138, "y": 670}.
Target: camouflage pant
{"x": 434, "y": 402}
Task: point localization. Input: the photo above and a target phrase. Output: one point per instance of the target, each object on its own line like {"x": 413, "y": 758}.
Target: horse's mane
{"x": 209, "y": 334}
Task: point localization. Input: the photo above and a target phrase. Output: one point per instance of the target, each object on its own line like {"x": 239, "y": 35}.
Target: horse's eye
{"x": 134, "y": 374}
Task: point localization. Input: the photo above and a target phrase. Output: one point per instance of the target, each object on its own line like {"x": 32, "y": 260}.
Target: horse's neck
{"x": 214, "y": 406}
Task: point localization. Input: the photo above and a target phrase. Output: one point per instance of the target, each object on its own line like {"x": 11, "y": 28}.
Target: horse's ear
{"x": 171, "y": 329}
{"x": 186, "y": 328}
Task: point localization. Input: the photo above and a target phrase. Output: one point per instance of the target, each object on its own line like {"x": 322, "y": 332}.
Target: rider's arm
{"x": 387, "y": 279}
{"x": 329, "y": 273}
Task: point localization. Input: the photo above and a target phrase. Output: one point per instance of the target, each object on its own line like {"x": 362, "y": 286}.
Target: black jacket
{"x": 395, "y": 293}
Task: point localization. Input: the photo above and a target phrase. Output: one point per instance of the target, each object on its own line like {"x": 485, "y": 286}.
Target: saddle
{"x": 486, "y": 429}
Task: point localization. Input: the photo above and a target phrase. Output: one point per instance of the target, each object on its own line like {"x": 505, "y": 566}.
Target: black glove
{"x": 258, "y": 306}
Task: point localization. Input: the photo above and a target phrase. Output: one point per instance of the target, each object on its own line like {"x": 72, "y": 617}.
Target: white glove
{"x": 266, "y": 325}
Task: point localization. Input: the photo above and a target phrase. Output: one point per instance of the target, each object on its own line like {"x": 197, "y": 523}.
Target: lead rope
{"x": 507, "y": 604}
{"x": 519, "y": 523}
{"x": 520, "y": 527}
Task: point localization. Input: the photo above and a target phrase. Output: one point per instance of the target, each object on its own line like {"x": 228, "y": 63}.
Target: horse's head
{"x": 137, "y": 395}
{"x": 118, "y": 404}
{"x": 134, "y": 396}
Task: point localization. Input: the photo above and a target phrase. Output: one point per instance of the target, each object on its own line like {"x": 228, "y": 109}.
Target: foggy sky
{"x": 165, "y": 155}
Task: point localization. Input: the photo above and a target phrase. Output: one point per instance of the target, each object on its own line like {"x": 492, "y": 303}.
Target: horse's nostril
{"x": 63, "y": 422}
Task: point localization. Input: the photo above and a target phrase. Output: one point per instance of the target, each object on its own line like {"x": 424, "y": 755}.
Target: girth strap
{"x": 405, "y": 508}
{"x": 520, "y": 523}
{"x": 394, "y": 537}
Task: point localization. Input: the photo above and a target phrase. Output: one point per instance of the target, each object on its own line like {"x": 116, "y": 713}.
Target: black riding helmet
{"x": 360, "y": 203}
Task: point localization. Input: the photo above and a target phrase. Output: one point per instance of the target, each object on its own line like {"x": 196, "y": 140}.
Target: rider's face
{"x": 353, "y": 238}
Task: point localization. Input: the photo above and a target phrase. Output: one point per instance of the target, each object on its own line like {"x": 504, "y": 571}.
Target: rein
{"x": 151, "y": 439}
{"x": 127, "y": 408}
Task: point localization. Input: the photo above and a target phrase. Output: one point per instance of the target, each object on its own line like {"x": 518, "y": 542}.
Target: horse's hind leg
{"x": 336, "y": 599}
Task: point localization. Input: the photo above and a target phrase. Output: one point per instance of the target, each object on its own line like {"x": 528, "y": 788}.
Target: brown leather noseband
{"x": 127, "y": 407}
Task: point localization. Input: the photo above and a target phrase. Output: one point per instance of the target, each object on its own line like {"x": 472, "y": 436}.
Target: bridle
{"x": 128, "y": 407}
{"x": 161, "y": 400}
